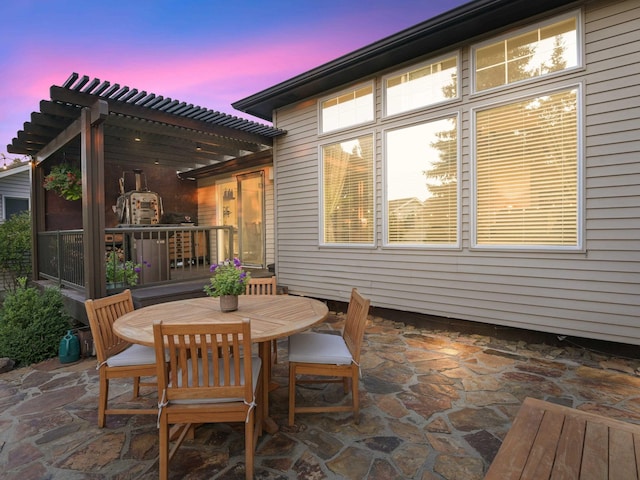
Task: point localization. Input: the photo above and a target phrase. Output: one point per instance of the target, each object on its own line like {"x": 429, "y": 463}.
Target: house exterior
{"x": 15, "y": 190}
{"x": 506, "y": 135}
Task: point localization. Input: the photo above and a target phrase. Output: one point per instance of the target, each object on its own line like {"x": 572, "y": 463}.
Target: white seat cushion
{"x": 256, "y": 364}
{"x": 314, "y": 347}
{"x": 133, "y": 355}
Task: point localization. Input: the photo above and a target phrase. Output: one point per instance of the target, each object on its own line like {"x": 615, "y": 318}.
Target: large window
{"x": 528, "y": 54}
{"x": 527, "y": 172}
{"x": 422, "y": 184}
{"x": 353, "y": 107}
{"x": 347, "y": 192}
{"x": 422, "y": 86}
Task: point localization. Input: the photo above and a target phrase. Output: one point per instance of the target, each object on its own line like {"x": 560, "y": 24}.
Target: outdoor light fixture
{"x": 198, "y": 147}
{"x": 137, "y": 137}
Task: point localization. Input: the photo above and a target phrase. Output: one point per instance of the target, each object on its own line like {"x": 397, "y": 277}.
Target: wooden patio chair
{"x": 326, "y": 355}
{"x": 117, "y": 358}
{"x": 195, "y": 386}
{"x": 264, "y": 286}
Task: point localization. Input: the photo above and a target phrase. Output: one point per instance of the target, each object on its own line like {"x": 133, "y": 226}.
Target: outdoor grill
{"x": 139, "y": 206}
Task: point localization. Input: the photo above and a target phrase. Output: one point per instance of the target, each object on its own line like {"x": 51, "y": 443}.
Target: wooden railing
{"x": 158, "y": 253}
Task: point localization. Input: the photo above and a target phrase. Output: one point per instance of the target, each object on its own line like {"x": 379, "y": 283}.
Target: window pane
{"x": 13, "y": 206}
{"x": 537, "y": 52}
{"x": 347, "y": 109}
{"x": 423, "y": 86}
{"x": 421, "y": 184}
{"x": 347, "y": 189}
{"x": 527, "y": 172}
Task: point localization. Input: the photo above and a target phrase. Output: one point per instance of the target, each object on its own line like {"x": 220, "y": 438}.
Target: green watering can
{"x": 69, "y": 348}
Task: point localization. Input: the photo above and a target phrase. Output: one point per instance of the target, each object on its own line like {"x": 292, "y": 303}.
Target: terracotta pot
{"x": 228, "y": 303}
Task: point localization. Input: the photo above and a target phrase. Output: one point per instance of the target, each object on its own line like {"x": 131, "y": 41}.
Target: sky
{"x": 210, "y": 53}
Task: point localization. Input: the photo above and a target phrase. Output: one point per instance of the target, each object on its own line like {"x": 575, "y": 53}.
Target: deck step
{"x": 145, "y": 296}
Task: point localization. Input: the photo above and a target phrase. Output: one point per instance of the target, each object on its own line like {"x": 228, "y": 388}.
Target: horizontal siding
{"x": 595, "y": 293}
{"x": 16, "y": 185}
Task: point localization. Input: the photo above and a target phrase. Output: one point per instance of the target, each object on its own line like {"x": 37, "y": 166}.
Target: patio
{"x": 435, "y": 405}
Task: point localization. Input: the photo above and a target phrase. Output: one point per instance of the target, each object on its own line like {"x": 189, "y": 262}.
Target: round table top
{"x": 272, "y": 316}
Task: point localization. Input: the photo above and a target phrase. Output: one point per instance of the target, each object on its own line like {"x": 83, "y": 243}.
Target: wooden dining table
{"x": 272, "y": 317}
{"x": 548, "y": 441}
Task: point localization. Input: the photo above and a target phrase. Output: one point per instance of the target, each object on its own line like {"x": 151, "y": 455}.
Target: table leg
{"x": 264, "y": 349}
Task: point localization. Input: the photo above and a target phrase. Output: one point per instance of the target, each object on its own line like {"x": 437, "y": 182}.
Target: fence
{"x": 157, "y": 254}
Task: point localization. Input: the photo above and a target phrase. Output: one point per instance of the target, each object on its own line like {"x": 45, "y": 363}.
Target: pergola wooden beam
{"x": 119, "y": 107}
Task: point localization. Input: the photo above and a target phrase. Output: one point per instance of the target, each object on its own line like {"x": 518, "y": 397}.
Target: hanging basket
{"x": 65, "y": 180}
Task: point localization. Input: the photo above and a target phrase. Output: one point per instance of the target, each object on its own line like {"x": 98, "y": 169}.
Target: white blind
{"x": 422, "y": 86}
{"x": 527, "y": 172}
{"x": 347, "y": 187}
{"x": 347, "y": 109}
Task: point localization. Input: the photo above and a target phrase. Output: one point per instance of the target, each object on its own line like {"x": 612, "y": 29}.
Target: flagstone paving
{"x": 435, "y": 405}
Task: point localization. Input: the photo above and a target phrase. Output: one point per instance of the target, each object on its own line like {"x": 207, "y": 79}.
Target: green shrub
{"x": 15, "y": 254}
{"x": 32, "y": 323}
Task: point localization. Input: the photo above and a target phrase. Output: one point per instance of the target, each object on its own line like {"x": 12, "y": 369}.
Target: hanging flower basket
{"x": 65, "y": 180}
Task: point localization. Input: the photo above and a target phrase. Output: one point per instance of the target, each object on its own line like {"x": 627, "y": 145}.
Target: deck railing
{"x": 161, "y": 253}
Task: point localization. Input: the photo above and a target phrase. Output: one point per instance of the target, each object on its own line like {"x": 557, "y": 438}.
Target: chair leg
{"x": 103, "y": 398}
{"x": 164, "y": 449}
{"x": 275, "y": 351}
{"x": 249, "y": 445}
{"x": 292, "y": 393}
{"x": 355, "y": 395}
{"x": 136, "y": 387}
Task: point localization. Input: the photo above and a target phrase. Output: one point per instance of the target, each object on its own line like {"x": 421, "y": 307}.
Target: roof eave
{"x": 448, "y": 29}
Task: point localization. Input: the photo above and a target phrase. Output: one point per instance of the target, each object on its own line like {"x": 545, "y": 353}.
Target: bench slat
{"x": 550, "y": 441}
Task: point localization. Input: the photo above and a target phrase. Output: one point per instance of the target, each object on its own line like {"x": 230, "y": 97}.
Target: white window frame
{"x": 321, "y": 217}
{"x": 577, "y": 14}
{"x": 351, "y": 89}
{"x": 385, "y": 199}
{"x": 418, "y": 66}
{"x": 579, "y": 247}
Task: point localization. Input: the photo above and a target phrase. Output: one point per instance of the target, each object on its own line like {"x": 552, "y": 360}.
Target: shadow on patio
{"x": 435, "y": 405}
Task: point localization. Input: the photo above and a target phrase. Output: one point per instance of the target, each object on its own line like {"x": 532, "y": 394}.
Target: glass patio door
{"x": 251, "y": 219}
{"x": 241, "y": 205}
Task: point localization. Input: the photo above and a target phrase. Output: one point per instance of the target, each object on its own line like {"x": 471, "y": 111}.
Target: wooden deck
{"x": 550, "y": 441}
{"x": 144, "y": 295}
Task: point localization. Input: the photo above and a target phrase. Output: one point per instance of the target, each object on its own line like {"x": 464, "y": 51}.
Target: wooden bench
{"x": 550, "y": 441}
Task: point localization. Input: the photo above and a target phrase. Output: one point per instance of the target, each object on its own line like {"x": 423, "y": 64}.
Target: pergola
{"x": 106, "y": 125}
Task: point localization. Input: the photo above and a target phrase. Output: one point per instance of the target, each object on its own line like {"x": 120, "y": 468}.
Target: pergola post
{"x": 93, "y": 221}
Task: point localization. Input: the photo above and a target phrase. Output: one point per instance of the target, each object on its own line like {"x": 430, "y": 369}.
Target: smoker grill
{"x": 139, "y": 206}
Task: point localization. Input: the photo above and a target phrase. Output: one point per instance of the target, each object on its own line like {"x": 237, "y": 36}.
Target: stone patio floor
{"x": 435, "y": 405}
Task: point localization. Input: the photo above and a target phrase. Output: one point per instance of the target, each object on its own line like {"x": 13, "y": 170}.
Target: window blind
{"x": 527, "y": 172}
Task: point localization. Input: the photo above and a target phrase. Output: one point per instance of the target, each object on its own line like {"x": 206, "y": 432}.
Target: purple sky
{"x": 206, "y": 52}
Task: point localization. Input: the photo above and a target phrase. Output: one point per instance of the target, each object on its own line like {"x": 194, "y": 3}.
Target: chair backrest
{"x": 356, "y": 321}
{"x": 191, "y": 372}
{"x": 102, "y": 313}
{"x": 262, "y": 286}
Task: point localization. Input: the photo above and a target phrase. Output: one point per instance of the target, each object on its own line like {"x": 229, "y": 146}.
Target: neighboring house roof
{"x": 12, "y": 170}
{"x": 211, "y": 137}
{"x": 450, "y": 28}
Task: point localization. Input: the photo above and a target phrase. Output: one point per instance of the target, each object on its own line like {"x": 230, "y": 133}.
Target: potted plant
{"x": 121, "y": 273}
{"x": 229, "y": 281}
{"x": 65, "y": 180}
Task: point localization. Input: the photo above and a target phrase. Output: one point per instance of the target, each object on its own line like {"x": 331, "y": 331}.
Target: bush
{"x": 15, "y": 254}
{"x": 32, "y": 324}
